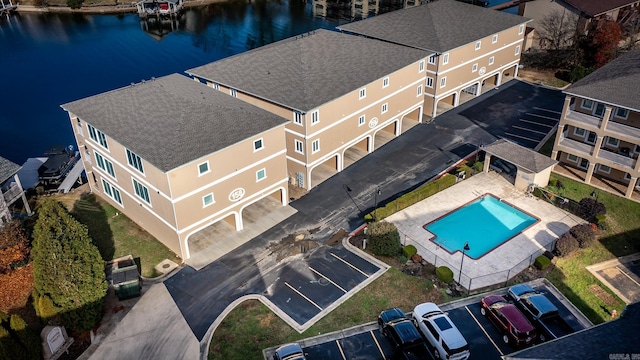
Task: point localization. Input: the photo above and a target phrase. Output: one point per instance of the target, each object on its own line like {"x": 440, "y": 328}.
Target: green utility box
{"x": 125, "y": 278}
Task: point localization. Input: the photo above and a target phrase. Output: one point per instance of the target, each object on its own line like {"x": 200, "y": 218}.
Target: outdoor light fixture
{"x": 594, "y": 194}
{"x": 375, "y": 208}
{"x": 465, "y": 248}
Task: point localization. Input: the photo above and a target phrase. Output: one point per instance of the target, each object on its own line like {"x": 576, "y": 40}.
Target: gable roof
{"x": 615, "y": 83}
{"x": 519, "y": 155}
{"x": 7, "y": 169}
{"x": 173, "y": 120}
{"x": 437, "y": 26}
{"x": 597, "y": 7}
{"x": 307, "y": 71}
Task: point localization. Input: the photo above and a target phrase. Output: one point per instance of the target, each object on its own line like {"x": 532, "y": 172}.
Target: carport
{"x": 384, "y": 135}
{"x": 323, "y": 171}
{"x": 532, "y": 167}
{"x": 356, "y": 152}
{"x": 411, "y": 119}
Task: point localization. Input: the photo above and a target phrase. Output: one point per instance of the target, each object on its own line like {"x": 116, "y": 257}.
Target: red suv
{"x": 515, "y": 327}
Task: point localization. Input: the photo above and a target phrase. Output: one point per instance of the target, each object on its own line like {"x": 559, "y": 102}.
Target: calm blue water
{"x": 50, "y": 59}
{"x": 485, "y": 223}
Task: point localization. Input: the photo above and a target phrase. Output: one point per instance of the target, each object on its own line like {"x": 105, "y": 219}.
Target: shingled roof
{"x": 438, "y": 26}
{"x": 519, "y": 155}
{"x": 173, "y": 120}
{"x": 7, "y": 169}
{"x": 307, "y": 71}
{"x": 615, "y": 83}
{"x": 597, "y": 7}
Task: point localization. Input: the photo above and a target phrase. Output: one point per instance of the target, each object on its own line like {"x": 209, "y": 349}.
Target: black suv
{"x": 404, "y": 336}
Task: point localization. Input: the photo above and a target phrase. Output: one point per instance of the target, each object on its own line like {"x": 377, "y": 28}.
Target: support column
{"x": 24, "y": 197}
{"x": 587, "y": 178}
{"x": 554, "y": 153}
{"x": 631, "y": 187}
{"x": 487, "y": 160}
{"x": 605, "y": 117}
{"x": 596, "y": 148}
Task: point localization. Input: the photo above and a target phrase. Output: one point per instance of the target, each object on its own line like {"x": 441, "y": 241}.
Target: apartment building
{"x": 344, "y": 95}
{"x": 10, "y": 190}
{"x": 474, "y": 49}
{"x": 176, "y": 157}
{"x": 598, "y": 138}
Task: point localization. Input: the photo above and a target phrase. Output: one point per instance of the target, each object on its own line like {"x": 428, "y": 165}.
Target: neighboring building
{"x": 344, "y": 95}
{"x": 598, "y": 138}
{"x": 176, "y": 157}
{"x": 475, "y": 49}
{"x": 10, "y": 189}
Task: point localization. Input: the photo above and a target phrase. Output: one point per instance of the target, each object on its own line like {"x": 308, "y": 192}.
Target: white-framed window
{"x": 421, "y": 66}
{"x": 429, "y": 82}
{"x": 216, "y": 86}
{"x": 258, "y": 145}
{"x": 636, "y": 149}
{"x": 385, "y": 82}
{"x": 445, "y": 59}
{"x": 363, "y": 93}
{"x": 587, "y": 104}
{"x": 207, "y": 200}
{"x": 517, "y": 50}
{"x": 79, "y": 126}
{"x": 98, "y": 136}
{"x": 494, "y": 39}
{"x": 622, "y": 113}
{"x": 521, "y": 29}
{"x": 599, "y": 110}
{"x": 261, "y": 174}
{"x": 432, "y": 59}
{"x": 604, "y": 169}
{"x": 443, "y": 82}
{"x": 299, "y": 146}
{"x": 315, "y": 117}
{"x": 474, "y": 67}
{"x": 491, "y": 60}
{"x": 478, "y": 44}
{"x": 203, "y": 168}
{"x": 112, "y": 191}
{"x": 141, "y": 191}
{"x": 572, "y": 158}
{"x": 579, "y": 132}
{"x": 233, "y": 93}
{"x": 361, "y": 120}
{"x": 419, "y": 90}
{"x": 134, "y": 161}
{"x": 105, "y": 165}
{"x": 611, "y": 141}
{"x": 315, "y": 146}
{"x": 297, "y": 117}
{"x": 385, "y": 108}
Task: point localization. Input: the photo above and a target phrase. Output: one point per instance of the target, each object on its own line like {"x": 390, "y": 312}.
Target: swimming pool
{"x": 485, "y": 223}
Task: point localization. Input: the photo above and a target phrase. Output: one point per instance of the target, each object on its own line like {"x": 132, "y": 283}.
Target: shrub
{"x": 444, "y": 274}
{"x": 559, "y": 184}
{"x": 590, "y": 208}
{"x": 402, "y": 259}
{"x": 542, "y": 262}
{"x": 14, "y": 246}
{"x": 74, "y": 4}
{"x": 383, "y": 238}
{"x": 584, "y": 235}
{"x": 600, "y": 219}
{"x": 44, "y": 307}
{"x": 478, "y": 166}
{"x": 553, "y": 182}
{"x": 29, "y": 339}
{"x": 416, "y": 258}
{"x": 409, "y": 250}
{"x": 565, "y": 245}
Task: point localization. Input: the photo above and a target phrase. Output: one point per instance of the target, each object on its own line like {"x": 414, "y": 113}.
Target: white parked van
{"x": 440, "y": 332}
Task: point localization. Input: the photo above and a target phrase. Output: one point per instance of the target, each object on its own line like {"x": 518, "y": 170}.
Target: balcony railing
{"x": 627, "y": 162}
{"x": 583, "y": 121}
{"x": 576, "y": 147}
{"x": 623, "y": 132}
{"x": 12, "y": 193}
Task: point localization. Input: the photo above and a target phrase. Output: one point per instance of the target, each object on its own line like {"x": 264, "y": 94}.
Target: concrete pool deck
{"x": 505, "y": 261}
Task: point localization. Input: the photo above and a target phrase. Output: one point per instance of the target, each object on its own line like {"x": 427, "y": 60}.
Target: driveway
{"x": 340, "y": 203}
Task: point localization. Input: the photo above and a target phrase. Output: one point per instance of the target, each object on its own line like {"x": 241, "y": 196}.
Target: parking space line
{"x": 484, "y": 331}
{"x": 341, "y": 352}
{"x": 522, "y": 137}
{"x": 551, "y": 111}
{"x": 535, "y": 131}
{"x": 537, "y": 123}
{"x": 329, "y": 280}
{"x": 348, "y": 263}
{"x": 377, "y": 344}
{"x": 544, "y": 117}
{"x": 627, "y": 275}
{"x": 301, "y": 294}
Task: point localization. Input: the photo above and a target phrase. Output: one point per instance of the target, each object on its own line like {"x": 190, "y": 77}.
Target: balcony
{"x": 616, "y": 161}
{"x": 581, "y": 120}
{"x": 623, "y": 132}
{"x": 575, "y": 147}
{"x": 12, "y": 194}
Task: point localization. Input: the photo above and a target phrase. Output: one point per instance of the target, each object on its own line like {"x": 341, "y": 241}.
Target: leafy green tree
{"x": 67, "y": 267}
{"x": 383, "y": 238}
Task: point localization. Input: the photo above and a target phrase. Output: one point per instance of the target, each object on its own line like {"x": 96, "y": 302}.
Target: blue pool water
{"x": 486, "y": 223}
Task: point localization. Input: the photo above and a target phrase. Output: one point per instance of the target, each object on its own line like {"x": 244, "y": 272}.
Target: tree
{"x": 605, "y": 41}
{"x": 558, "y": 30}
{"x": 14, "y": 245}
{"x": 67, "y": 267}
{"x": 383, "y": 238}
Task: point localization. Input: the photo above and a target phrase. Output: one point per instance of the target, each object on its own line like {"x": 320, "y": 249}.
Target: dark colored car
{"x": 540, "y": 310}
{"x": 404, "y": 336}
{"x": 514, "y": 326}
{"x": 292, "y": 351}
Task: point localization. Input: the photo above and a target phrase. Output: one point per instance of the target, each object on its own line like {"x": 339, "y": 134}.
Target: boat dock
{"x": 158, "y": 8}
{"x": 508, "y": 4}
{"x": 6, "y": 7}
{"x": 72, "y": 176}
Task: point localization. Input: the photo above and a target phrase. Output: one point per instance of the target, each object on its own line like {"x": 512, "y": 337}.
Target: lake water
{"x": 50, "y": 59}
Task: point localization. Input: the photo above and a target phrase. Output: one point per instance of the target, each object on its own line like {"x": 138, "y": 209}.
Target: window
{"x": 419, "y": 90}
{"x": 384, "y": 109}
{"x": 613, "y": 142}
{"x": 315, "y": 146}
{"x": 299, "y": 146}
{"x": 429, "y": 82}
{"x": 363, "y": 93}
{"x": 474, "y": 68}
{"x": 297, "y": 117}
{"x": 261, "y": 174}
{"x": 587, "y": 104}
{"x": 599, "y": 110}
{"x": 521, "y": 29}
{"x": 79, "y": 126}
{"x": 258, "y": 145}
{"x": 216, "y": 86}
{"x": 385, "y": 82}
{"x": 105, "y": 165}
{"x": 207, "y": 200}
{"x": 361, "y": 120}
{"x": 233, "y": 93}
{"x": 478, "y": 44}
{"x": 432, "y": 59}
{"x": 491, "y": 60}
{"x": 443, "y": 82}
{"x": 98, "y": 136}
{"x": 203, "y": 168}
{"x": 579, "y": 131}
{"x": 134, "y": 161}
{"x": 112, "y": 192}
{"x": 622, "y": 113}
{"x": 315, "y": 117}
{"x": 445, "y": 58}
{"x": 572, "y": 158}
{"x": 421, "y": 66}
{"x": 517, "y": 50}
{"x": 141, "y": 191}
{"x": 604, "y": 169}
{"x": 494, "y": 39}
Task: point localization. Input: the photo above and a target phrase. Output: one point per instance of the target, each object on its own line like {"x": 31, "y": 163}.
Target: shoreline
{"x": 102, "y": 9}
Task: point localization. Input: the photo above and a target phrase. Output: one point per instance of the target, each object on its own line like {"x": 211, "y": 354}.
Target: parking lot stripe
{"x": 544, "y": 117}
{"x": 536, "y": 123}
{"x": 522, "y": 137}
{"x": 551, "y": 111}
{"x": 301, "y": 294}
{"x": 341, "y": 352}
{"x": 627, "y": 275}
{"x": 535, "y": 131}
{"x": 348, "y": 263}
{"x": 377, "y": 344}
{"x": 484, "y": 331}
{"x": 329, "y": 280}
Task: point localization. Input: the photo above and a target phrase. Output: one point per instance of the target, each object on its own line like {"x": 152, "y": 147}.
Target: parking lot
{"x": 485, "y": 342}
